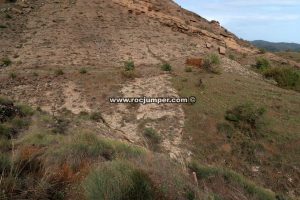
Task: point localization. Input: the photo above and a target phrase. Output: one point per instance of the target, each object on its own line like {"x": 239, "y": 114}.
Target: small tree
{"x": 166, "y": 67}
{"x": 129, "y": 65}
{"x": 262, "y": 64}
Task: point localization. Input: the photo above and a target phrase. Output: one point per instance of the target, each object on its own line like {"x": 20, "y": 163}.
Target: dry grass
{"x": 226, "y": 91}
{"x": 250, "y": 189}
{"x": 290, "y": 55}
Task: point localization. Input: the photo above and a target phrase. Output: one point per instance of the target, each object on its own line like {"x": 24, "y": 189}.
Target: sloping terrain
{"x": 65, "y": 59}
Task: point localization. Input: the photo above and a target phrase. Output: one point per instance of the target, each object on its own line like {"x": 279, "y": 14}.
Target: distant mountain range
{"x": 276, "y": 47}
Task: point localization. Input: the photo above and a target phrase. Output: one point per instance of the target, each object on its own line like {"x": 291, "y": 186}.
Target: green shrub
{"x": 118, "y": 180}
{"x": 25, "y": 110}
{"x": 2, "y": 26}
{"x": 13, "y": 75}
{"x": 248, "y": 118}
{"x": 285, "y": 77}
{"x": 152, "y": 135}
{"x": 60, "y": 125}
{"x": 96, "y": 116}
{"x": 262, "y": 64}
{"x": 82, "y": 71}
{"x": 231, "y": 57}
{"x": 129, "y": 74}
{"x": 262, "y": 51}
{"x": 7, "y": 110}
{"x": 212, "y": 63}
{"x": 129, "y": 65}
{"x": 166, "y": 67}
{"x": 5, "y": 101}
{"x": 191, "y": 195}
{"x": 153, "y": 138}
{"x": 141, "y": 188}
{"x": 188, "y": 69}
{"x": 6, "y": 62}
{"x": 214, "y": 59}
{"x": 59, "y": 72}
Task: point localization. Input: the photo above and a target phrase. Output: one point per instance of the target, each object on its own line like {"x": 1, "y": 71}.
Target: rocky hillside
{"x": 64, "y": 59}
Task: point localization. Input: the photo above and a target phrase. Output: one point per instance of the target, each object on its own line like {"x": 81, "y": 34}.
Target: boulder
{"x": 208, "y": 45}
{"x": 222, "y": 50}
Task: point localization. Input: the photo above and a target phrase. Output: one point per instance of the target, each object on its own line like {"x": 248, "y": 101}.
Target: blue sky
{"x": 271, "y": 20}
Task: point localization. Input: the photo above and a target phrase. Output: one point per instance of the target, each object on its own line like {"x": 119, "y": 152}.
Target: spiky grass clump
{"x": 118, "y": 180}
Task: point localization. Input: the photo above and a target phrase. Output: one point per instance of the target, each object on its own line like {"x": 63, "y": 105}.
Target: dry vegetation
{"x": 222, "y": 129}
{"x": 64, "y": 59}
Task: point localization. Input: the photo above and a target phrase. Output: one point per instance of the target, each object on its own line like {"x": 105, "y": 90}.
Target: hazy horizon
{"x": 269, "y": 20}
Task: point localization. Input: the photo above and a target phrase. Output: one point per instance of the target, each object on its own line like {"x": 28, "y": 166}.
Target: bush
{"x": 118, "y": 180}
{"x": 7, "y": 110}
{"x": 212, "y": 63}
{"x": 247, "y": 117}
{"x": 262, "y": 64}
{"x": 214, "y": 59}
{"x": 3, "y": 26}
{"x": 152, "y": 135}
{"x": 13, "y": 75}
{"x": 231, "y": 57}
{"x": 96, "y": 116}
{"x": 5, "y": 101}
{"x": 59, "y": 72}
{"x": 129, "y": 74}
{"x": 153, "y": 138}
{"x": 285, "y": 77}
{"x": 6, "y": 62}
{"x": 82, "y": 71}
{"x": 262, "y": 51}
{"x": 25, "y": 110}
{"x": 166, "y": 67}
{"x": 129, "y": 65}
{"x": 188, "y": 69}
{"x": 60, "y": 125}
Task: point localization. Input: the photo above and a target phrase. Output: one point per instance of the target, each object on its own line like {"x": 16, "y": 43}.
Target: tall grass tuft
{"x": 204, "y": 172}
{"x": 118, "y": 180}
